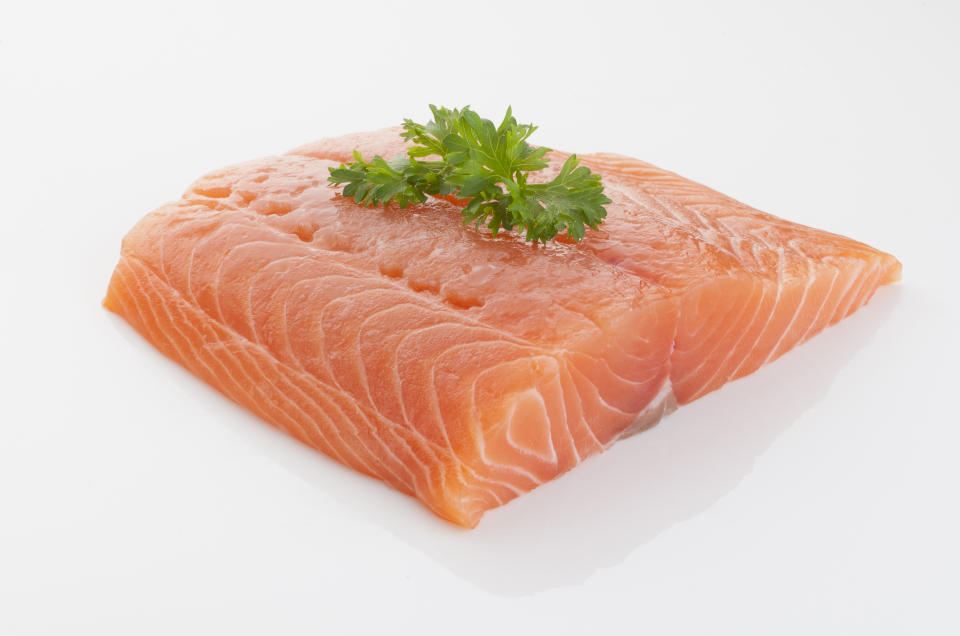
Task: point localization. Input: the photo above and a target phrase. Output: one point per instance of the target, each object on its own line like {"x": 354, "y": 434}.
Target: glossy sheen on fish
{"x": 460, "y": 368}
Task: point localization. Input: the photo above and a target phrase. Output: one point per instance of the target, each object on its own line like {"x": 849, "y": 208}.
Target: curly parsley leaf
{"x": 485, "y": 164}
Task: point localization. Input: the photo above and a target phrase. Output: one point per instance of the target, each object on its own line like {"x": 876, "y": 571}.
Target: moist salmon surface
{"x": 461, "y": 368}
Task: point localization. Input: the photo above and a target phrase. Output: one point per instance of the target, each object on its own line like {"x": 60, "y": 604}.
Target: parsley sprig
{"x": 488, "y": 166}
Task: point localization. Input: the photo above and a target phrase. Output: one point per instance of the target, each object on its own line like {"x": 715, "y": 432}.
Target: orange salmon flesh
{"x": 457, "y": 367}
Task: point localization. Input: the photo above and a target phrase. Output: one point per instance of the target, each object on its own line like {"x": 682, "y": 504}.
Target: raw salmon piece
{"x": 460, "y": 368}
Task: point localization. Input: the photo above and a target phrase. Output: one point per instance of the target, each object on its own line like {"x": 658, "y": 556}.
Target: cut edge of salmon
{"x": 207, "y": 345}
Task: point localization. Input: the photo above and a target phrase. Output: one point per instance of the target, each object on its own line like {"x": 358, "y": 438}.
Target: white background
{"x": 818, "y": 496}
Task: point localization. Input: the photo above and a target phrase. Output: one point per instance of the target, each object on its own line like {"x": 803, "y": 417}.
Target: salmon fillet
{"x": 457, "y": 367}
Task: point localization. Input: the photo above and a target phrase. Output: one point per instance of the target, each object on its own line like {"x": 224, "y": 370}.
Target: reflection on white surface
{"x": 599, "y": 513}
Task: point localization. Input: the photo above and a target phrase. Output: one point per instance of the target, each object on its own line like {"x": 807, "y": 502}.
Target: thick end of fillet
{"x": 534, "y": 417}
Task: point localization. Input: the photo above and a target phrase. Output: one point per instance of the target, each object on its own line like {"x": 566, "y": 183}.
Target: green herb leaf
{"x": 485, "y": 164}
